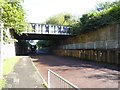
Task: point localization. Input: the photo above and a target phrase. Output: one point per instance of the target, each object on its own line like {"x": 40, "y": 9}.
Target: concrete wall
{"x": 8, "y": 48}
{"x": 99, "y": 45}
{"x": 103, "y": 38}
{"x": 118, "y": 36}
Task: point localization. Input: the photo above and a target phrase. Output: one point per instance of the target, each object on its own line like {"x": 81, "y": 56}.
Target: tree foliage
{"x": 104, "y": 14}
{"x": 61, "y": 19}
{"x": 45, "y": 43}
{"x": 12, "y": 15}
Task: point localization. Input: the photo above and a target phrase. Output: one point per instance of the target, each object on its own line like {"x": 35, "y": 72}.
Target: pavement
{"x": 25, "y": 75}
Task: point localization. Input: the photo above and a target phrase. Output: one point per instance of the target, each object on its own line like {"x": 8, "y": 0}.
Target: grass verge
{"x": 8, "y": 67}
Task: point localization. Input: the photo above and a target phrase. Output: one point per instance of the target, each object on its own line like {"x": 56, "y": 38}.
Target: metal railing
{"x": 56, "y": 81}
{"x": 49, "y": 29}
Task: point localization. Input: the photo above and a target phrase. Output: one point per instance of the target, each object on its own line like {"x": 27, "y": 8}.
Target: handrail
{"x": 72, "y": 85}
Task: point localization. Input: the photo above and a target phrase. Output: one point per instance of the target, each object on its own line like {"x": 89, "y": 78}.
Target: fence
{"x": 56, "y": 81}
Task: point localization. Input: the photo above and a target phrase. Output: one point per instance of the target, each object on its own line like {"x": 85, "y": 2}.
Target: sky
{"x": 40, "y": 10}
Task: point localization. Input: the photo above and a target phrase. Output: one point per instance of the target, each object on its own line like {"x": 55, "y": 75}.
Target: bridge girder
{"x": 41, "y": 37}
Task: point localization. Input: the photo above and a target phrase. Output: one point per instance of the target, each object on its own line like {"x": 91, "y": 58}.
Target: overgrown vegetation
{"x": 2, "y": 83}
{"x": 12, "y": 15}
{"x": 49, "y": 44}
{"x": 61, "y": 19}
{"x": 8, "y": 67}
{"x": 104, "y": 14}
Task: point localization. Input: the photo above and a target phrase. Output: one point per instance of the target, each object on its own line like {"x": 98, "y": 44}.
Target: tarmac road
{"x": 84, "y": 74}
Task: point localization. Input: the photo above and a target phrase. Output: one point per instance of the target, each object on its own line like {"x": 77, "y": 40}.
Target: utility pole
{"x": 1, "y": 50}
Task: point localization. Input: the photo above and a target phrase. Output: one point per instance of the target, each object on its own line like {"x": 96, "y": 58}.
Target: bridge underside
{"x": 33, "y": 36}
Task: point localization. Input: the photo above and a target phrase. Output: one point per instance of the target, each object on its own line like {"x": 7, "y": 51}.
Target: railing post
{"x": 41, "y": 28}
{"x": 49, "y": 86}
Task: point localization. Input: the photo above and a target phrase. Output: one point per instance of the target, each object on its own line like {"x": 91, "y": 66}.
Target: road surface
{"x": 84, "y": 74}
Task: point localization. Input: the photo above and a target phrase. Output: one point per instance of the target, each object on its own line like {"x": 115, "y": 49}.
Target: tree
{"x": 61, "y": 19}
{"x": 104, "y": 6}
{"x": 13, "y": 15}
{"x": 105, "y": 13}
{"x": 65, "y": 19}
{"x": 44, "y": 43}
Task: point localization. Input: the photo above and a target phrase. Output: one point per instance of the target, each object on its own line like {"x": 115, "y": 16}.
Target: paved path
{"x": 84, "y": 74}
{"x": 24, "y": 76}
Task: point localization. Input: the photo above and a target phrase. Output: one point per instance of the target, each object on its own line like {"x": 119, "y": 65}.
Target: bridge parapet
{"x": 49, "y": 29}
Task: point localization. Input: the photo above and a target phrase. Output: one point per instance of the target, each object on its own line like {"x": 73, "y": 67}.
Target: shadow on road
{"x": 70, "y": 61}
{"x": 84, "y": 69}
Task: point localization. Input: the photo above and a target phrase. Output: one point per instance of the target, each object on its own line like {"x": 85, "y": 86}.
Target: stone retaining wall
{"x": 108, "y": 56}
{"x": 101, "y": 45}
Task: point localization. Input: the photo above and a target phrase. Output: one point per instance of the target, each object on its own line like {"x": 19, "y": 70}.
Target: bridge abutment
{"x": 21, "y": 47}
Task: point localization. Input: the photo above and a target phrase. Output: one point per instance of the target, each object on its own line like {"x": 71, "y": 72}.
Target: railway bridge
{"x": 45, "y": 32}
{"x": 42, "y": 32}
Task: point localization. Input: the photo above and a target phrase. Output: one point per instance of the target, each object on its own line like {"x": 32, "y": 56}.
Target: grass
{"x": 8, "y": 67}
{"x": 2, "y": 83}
